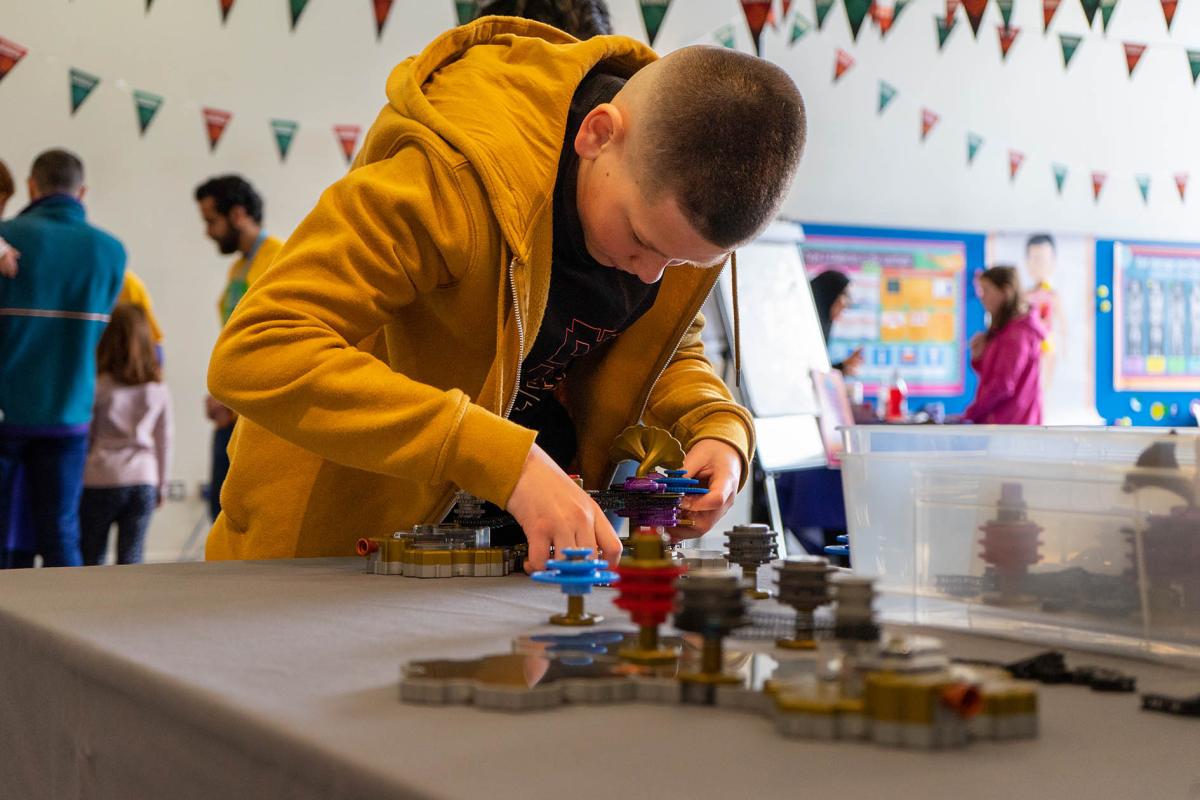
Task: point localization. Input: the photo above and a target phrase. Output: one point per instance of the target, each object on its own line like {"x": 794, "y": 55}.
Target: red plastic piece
{"x": 647, "y": 593}
{"x": 365, "y": 547}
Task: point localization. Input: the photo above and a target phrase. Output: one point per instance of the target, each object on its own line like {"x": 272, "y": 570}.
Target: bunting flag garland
{"x": 382, "y": 9}
{"x": 1133, "y": 54}
{"x": 10, "y": 54}
{"x": 215, "y": 122}
{"x": 147, "y": 106}
{"x": 466, "y": 10}
{"x": 887, "y": 93}
{"x": 1007, "y": 37}
{"x": 653, "y": 12}
{"x": 1015, "y": 159}
{"x": 1181, "y": 179}
{"x": 1143, "y": 184}
{"x": 1060, "y": 177}
{"x": 800, "y": 26}
{"x": 226, "y": 7}
{"x": 758, "y": 13}
{"x": 297, "y": 8}
{"x": 148, "y": 4}
{"x": 725, "y": 37}
{"x": 1006, "y": 9}
{"x": 1193, "y": 62}
{"x": 82, "y": 85}
{"x": 1048, "y": 9}
{"x": 928, "y": 120}
{"x": 1069, "y": 45}
{"x": 284, "y": 131}
{"x": 844, "y": 62}
{"x": 885, "y": 17}
{"x": 347, "y": 136}
{"x": 787, "y": 4}
{"x": 822, "y": 7}
{"x": 856, "y": 12}
{"x": 1090, "y": 7}
{"x": 1107, "y": 7}
{"x": 952, "y": 9}
{"x": 975, "y": 9}
{"x": 944, "y": 29}
{"x": 1098, "y": 179}
{"x": 1169, "y": 7}
{"x": 974, "y": 142}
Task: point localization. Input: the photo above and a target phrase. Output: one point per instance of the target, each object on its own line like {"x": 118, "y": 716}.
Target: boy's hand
{"x": 552, "y": 509}
{"x": 718, "y": 467}
{"x": 8, "y": 260}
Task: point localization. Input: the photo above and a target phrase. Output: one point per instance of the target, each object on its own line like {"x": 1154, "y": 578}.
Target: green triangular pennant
{"x": 148, "y": 4}
{"x": 974, "y": 142}
{"x": 147, "y": 105}
{"x": 1143, "y": 184}
{"x": 653, "y": 12}
{"x": 1107, "y": 7}
{"x": 1089, "y": 10}
{"x": 297, "y": 8}
{"x": 466, "y": 10}
{"x": 1069, "y": 45}
{"x": 944, "y": 27}
{"x": 284, "y": 130}
{"x": 800, "y": 26}
{"x": 724, "y": 36}
{"x": 1006, "y": 7}
{"x": 1060, "y": 176}
{"x": 886, "y": 93}
{"x": 1194, "y": 63}
{"x": 856, "y": 12}
{"x": 82, "y": 84}
{"x": 822, "y": 7}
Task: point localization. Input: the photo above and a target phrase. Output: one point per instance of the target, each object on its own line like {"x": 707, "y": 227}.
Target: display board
{"x": 912, "y": 305}
{"x": 1148, "y": 331}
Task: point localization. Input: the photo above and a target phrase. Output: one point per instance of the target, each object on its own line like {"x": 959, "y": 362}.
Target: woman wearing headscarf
{"x": 831, "y": 295}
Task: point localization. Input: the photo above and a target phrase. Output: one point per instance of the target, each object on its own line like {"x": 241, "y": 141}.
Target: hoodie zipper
{"x": 512, "y": 283}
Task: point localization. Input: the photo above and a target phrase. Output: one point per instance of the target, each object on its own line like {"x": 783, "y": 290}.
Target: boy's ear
{"x": 603, "y": 125}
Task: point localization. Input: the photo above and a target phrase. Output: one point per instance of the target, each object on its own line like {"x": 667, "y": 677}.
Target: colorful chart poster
{"x": 1156, "y": 318}
{"x": 906, "y": 310}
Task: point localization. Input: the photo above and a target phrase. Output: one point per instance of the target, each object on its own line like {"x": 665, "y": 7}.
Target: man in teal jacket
{"x": 51, "y": 317}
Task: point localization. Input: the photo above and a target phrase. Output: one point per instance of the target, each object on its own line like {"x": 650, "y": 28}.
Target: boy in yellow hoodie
{"x": 519, "y": 252}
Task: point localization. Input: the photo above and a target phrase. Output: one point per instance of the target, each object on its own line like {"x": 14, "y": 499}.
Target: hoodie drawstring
{"x": 737, "y": 327}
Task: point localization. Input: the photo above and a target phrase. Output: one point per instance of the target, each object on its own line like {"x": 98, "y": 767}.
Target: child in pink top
{"x": 1007, "y": 356}
{"x": 130, "y": 440}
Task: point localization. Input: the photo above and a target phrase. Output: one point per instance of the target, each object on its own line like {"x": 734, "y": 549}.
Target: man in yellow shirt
{"x": 232, "y": 212}
{"x": 510, "y": 274}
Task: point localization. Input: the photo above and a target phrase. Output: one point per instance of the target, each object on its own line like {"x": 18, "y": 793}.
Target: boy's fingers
{"x": 539, "y": 551}
{"x": 606, "y": 539}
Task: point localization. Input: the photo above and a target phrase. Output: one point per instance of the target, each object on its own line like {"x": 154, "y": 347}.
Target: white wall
{"x": 859, "y": 168}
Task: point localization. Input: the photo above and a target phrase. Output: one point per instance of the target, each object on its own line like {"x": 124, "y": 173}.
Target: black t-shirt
{"x": 589, "y": 304}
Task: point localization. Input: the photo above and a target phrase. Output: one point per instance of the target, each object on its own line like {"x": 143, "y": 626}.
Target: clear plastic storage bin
{"x": 1049, "y": 534}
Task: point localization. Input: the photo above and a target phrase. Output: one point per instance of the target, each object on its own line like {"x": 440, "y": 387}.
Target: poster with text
{"x": 1156, "y": 318}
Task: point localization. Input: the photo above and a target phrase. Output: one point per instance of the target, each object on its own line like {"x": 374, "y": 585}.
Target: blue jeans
{"x": 130, "y": 507}
{"x": 54, "y": 480}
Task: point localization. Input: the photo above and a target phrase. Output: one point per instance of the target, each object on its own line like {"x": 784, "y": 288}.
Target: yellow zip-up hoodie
{"x": 375, "y": 361}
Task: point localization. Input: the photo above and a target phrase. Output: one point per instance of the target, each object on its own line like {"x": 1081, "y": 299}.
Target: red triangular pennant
{"x": 215, "y": 122}
{"x": 10, "y": 54}
{"x": 1169, "y": 7}
{"x": 1181, "y": 179}
{"x": 226, "y": 7}
{"x": 758, "y": 14}
{"x": 952, "y": 9}
{"x": 928, "y": 120}
{"x": 1098, "y": 179}
{"x": 382, "y": 9}
{"x": 347, "y": 136}
{"x": 975, "y": 9}
{"x": 883, "y": 17}
{"x": 1015, "y": 160}
{"x": 844, "y": 62}
{"x": 1048, "y": 9}
{"x": 1133, "y": 54}
{"x": 1007, "y": 37}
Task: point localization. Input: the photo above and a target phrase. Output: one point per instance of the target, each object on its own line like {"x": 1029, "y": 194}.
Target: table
{"x": 279, "y": 679}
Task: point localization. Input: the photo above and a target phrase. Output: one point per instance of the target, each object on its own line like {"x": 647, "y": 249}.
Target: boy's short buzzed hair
{"x": 57, "y": 170}
{"x": 724, "y": 132}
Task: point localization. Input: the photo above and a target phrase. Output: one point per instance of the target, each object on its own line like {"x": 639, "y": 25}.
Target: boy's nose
{"x": 649, "y": 270}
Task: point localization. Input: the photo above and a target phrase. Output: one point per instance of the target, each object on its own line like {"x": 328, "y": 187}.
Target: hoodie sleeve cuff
{"x": 485, "y": 454}
{"x": 733, "y": 430}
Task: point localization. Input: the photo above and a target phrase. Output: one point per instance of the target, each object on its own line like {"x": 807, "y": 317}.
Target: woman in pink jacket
{"x": 1007, "y": 356}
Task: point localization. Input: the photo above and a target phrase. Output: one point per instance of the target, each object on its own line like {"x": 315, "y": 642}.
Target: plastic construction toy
{"x": 803, "y": 584}
{"x": 1051, "y": 667}
{"x": 1166, "y": 704}
{"x": 576, "y": 574}
{"x": 751, "y": 546}
{"x": 646, "y": 590}
{"x": 711, "y": 604}
{"x": 440, "y": 551}
{"x": 1010, "y": 545}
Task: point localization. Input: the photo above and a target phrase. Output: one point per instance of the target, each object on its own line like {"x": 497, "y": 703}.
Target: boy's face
{"x": 621, "y": 228}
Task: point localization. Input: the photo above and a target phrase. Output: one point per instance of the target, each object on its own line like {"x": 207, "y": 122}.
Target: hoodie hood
{"x": 535, "y": 68}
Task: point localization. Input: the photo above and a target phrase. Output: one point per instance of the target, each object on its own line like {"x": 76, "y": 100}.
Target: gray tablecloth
{"x": 279, "y": 680}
